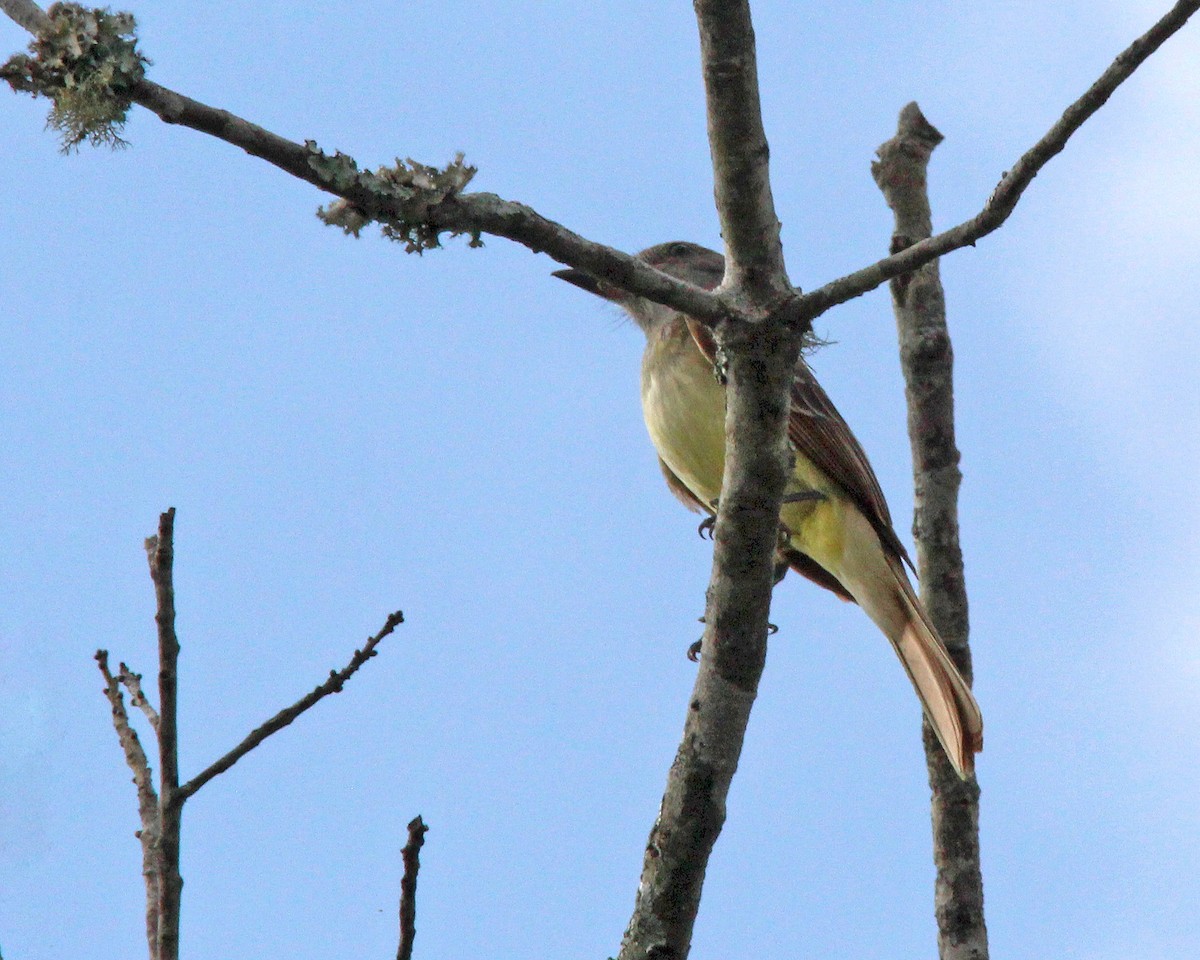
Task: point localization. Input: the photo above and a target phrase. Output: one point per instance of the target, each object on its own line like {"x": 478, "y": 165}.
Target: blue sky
{"x": 345, "y": 430}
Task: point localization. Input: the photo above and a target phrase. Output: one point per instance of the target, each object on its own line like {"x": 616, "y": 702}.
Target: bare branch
{"x": 741, "y": 176}
{"x": 337, "y": 679}
{"x": 135, "y": 755}
{"x": 133, "y": 683}
{"x": 761, "y": 363}
{"x": 143, "y": 780}
{"x": 433, "y": 211}
{"x": 1004, "y": 198}
{"x": 411, "y": 856}
{"x": 160, "y": 551}
{"x": 463, "y": 213}
{"x": 928, "y": 361}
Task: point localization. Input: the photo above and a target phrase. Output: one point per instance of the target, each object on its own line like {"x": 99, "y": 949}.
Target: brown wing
{"x": 819, "y": 433}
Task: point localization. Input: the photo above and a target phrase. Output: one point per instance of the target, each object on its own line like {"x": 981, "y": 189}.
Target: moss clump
{"x": 87, "y": 62}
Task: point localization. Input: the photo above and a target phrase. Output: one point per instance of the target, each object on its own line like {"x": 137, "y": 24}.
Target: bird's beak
{"x": 584, "y": 281}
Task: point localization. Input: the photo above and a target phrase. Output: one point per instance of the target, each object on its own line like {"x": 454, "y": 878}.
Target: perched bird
{"x": 837, "y": 530}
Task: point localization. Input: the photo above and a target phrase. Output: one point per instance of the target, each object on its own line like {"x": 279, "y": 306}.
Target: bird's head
{"x": 685, "y": 261}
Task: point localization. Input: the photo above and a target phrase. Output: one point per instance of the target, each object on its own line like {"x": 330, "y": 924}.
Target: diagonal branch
{"x": 147, "y": 799}
{"x": 133, "y": 683}
{"x": 337, "y": 679}
{"x": 1012, "y": 185}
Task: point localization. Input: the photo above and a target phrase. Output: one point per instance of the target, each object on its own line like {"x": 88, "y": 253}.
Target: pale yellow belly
{"x": 684, "y": 408}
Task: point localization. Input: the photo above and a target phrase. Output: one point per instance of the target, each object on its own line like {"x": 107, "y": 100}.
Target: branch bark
{"x": 161, "y": 813}
{"x": 337, "y": 680}
{"x": 740, "y": 155}
{"x": 411, "y": 856}
{"x": 143, "y": 780}
{"x": 757, "y": 359}
{"x": 927, "y": 359}
{"x": 160, "y": 550}
{"x": 1011, "y": 186}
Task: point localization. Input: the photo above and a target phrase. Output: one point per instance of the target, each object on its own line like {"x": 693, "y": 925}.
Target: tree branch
{"x": 160, "y": 551}
{"x": 26, "y": 14}
{"x": 738, "y": 143}
{"x": 337, "y": 679}
{"x": 143, "y": 780}
{"x": 411, "y": 855}
{"x": 1012, "y": 185}
{"x": 927, "y": 359}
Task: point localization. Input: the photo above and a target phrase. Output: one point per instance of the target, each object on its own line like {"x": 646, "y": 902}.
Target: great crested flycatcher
{"x": 836, "y": 522}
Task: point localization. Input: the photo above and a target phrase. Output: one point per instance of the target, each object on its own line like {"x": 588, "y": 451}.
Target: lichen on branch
{"x": 87, "y": 62}
{"x": 412, "y": 187}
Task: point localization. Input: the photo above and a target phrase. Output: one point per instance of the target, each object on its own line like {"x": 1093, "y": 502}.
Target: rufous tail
{"x": 881, "y": 587}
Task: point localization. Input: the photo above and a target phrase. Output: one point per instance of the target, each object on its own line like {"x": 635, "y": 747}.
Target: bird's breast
{"x": 684, "y": 407}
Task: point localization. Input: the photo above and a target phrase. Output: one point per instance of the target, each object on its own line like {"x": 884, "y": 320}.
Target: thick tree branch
{"x": 741, "y": 174}
{"x": 761, "y": 361}
{"x": 411, "y": 856}
{"x": 927, "y": 359}
{"x": 1004, "y": 198}
{"x": 337, "y": 679}
{"x": 757, "y": 358}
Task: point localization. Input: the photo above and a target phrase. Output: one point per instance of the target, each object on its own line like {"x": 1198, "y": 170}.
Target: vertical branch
{"x": 756, "y": 359}
{"x": 734, "y": 649}
{"x": 411, "y": 856}
{"x": 160, "y": 551}
{"x": 738, "y": 143}
{"x": 927, "y": 360}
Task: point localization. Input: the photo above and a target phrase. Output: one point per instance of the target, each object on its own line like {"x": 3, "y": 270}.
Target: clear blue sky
{"x": 346, "y": 430}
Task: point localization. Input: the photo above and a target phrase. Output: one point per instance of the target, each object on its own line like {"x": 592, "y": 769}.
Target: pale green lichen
{"x": 410, "y": 188}
{"x": 87, "y": 62}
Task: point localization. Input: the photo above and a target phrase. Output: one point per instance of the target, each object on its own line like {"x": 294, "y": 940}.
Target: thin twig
{"x": 337, "y": 679}
{"x": 927, "y": 359}
{"x": 133, "y": 683}
{"x": 411, "y": 855}
{"x": 143, "y": 780}
{"x": 1012, "y": 185}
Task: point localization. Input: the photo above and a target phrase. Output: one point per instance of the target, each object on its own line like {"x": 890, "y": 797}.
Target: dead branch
{"x": 1011, "y": 186}
{"x": 927, "y": 359}
{"x": 411, "y": 855}
{"x": 337, "y": 679}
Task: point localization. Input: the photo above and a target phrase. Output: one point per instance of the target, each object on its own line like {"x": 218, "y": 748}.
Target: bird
{"x": 835, "y": 526}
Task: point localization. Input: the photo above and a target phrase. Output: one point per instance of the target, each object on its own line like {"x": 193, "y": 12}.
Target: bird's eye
{"x": 679, "y": 250}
